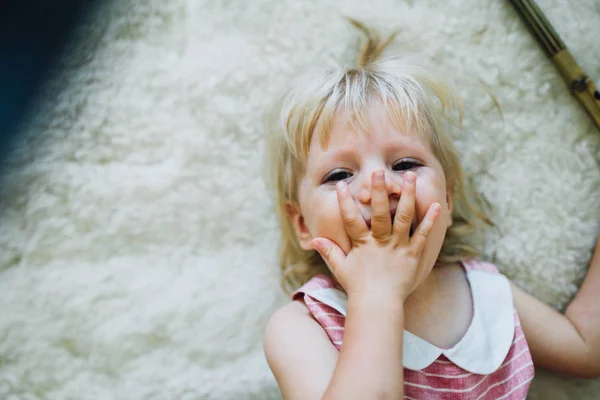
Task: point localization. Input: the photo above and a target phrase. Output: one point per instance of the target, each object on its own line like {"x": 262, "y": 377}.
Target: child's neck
{"x": 441, "y": 308}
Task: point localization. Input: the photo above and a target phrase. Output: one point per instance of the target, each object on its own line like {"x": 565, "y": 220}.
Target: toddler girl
{"x": 392, "y": 302}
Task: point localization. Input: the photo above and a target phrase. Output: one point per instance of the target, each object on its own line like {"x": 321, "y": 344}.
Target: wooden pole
{"x": 580, "y": 85}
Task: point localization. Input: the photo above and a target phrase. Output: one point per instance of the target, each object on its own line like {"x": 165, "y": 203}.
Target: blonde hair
{"x": 412, "y": 96}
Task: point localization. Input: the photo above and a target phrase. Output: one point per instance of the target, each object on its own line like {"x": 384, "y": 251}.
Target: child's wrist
{"x": 378, "y": 301}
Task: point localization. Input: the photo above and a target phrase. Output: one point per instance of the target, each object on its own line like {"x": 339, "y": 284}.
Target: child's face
{"x": 353, "y": 158}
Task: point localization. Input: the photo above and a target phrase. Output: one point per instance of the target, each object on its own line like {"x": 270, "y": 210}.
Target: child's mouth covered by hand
{"x": 392, "y": 215}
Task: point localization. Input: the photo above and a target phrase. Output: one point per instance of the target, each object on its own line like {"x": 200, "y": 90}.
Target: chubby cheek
{"x": 324, "y": 220}
{"x": 425, "y": 198}
{"x": 431, "y": 188}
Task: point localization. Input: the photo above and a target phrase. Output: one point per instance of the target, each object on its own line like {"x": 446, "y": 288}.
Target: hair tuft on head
{"x": 372, "y": 44}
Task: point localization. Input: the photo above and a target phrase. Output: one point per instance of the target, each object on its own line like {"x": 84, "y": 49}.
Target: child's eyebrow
{"x": 326, "y": 158}
{"x": 336, "y": 155}
{"x": 391, "y": 146}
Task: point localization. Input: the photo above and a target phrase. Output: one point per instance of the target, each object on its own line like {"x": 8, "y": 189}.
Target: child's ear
{"x": 296, "y": 218}
{"x": 450, "y": 203}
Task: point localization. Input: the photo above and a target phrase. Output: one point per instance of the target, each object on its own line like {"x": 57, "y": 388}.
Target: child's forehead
{"x": 376, "y": 126}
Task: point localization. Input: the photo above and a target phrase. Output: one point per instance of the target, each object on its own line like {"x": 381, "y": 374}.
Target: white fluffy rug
{"x": 138, "y": 245}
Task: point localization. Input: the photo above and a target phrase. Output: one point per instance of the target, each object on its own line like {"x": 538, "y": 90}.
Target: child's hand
{"x": 385, "y": 261}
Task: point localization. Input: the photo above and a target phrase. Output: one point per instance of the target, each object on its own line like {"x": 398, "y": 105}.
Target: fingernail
{"x": 410, "y": 177}
{"x": 435, "y": 207}
{"x": 341, "y": 186}
{"x": 378, "y": 178}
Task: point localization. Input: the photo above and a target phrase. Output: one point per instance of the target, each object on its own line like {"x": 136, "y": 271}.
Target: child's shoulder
{"x": 293, "y": 310}
{"x": 293, "y": 338}
{"x": 291, "y": 318}
{"x": 288, "y": 321}
{"x": 295, "y": 318}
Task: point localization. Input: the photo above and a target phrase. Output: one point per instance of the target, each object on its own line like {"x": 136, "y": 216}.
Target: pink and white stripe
{"x": 442, "y": 379}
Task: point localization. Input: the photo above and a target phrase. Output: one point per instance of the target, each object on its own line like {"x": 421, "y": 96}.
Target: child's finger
{"x": 420, "y": 236}
{"x": 381, "y": 221}
{"x": 353, "y": 221}
{"x": 333, "y": 255}
{"x": 406, "y": 207}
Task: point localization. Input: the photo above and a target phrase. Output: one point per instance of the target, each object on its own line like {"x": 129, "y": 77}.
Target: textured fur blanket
{"x": 138, "y": 244}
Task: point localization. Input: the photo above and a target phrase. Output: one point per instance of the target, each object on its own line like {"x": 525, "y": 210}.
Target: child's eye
{"x": 337, "y": 176}
{"x": 405, "y": 165}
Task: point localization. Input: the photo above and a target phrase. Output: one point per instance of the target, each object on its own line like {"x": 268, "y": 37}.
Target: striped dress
{"x": 491, "y": 361}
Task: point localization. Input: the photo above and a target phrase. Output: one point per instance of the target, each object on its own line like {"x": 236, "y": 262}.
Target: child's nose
{"x": 393, "y": 187}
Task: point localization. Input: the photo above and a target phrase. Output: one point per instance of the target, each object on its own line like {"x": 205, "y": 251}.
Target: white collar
{"x": 487, "y": 341}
